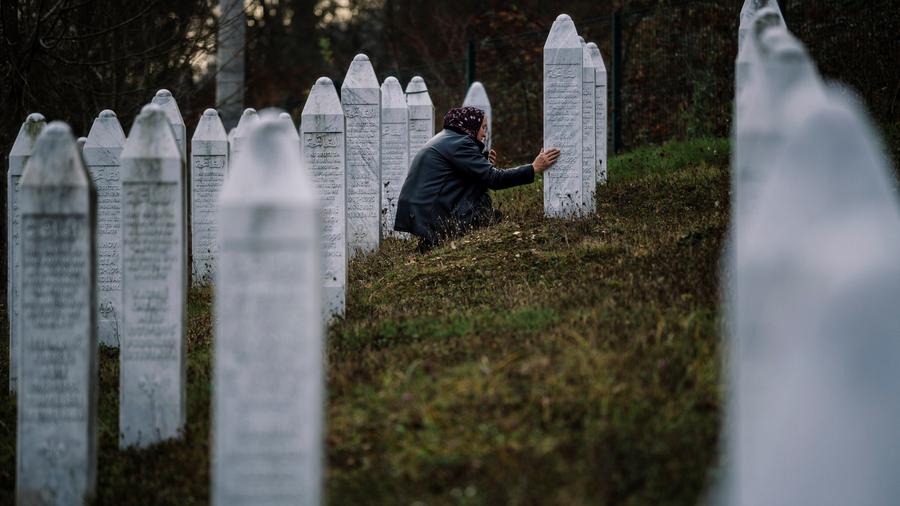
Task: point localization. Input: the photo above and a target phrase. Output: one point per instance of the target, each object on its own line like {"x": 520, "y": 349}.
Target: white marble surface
{"x": 394, "y": 151}
{"x": 18, "y": 156}
{"x": 294, "y": 133}
{"x": 209, "y": 155}
{"x": 167, "y": 103}
{"x": 748, "y": 57}
{"x": 361, "y": 99}
{"x": 324, "y": 153}
{"x": 563, "y": 67}
{"x": 421, "y": 115}
{"x": 818, "y": 417}
{"x": 56, "y": 454}
{"x": 268, "y": 406}
{"x": 477, "y": 96}
{"x": 602, "y": 113}
{"x": 152, "y": 354}
{"x": 588, "y": 131}
{"x": 102, "y": 153}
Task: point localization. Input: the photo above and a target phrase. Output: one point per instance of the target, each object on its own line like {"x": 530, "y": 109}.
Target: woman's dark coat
{"x": 447, "y": 180}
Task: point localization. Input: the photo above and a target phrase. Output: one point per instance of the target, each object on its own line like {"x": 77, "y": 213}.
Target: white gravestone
{"x": 588, "y": 130}
{"x": 249, "y": 118}
{"x": 394, "y": 151}
{"x": 209, "y": 154}
{"x": 152, "y": 356}
{"x": 56, "y": 454}
{"x": 421, "y": 115}
{"x": 268, "y": 379}
{"x": 361, "y": 98}
{"x": 322, "y": 134}
{"x": 18, "y": 156}
{"x": 748, "y": 12}
{"x": 102, "y": 154}
{"x": 295, "y": 135}
{"x": 477, "y": 97}
{"x": 563, "y": 67}
{"x": 821, "y": 269}
{"x": 80, "y": 142}
{"x": 600, "y": 100}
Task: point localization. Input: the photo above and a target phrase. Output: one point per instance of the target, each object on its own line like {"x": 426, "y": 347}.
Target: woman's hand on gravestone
{"x": 492, "y": 157}
{"x": 545, "y": 159}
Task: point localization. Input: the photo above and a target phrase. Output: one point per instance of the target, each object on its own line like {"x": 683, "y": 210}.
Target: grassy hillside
{"x": 535, "y": 362}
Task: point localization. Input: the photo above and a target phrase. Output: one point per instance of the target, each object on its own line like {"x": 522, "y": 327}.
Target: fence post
{"x": 617, "y": 69}
{"x": 470, "y": 63}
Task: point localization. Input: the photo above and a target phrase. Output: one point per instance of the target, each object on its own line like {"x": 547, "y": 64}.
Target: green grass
{"x": 536, "y": 362}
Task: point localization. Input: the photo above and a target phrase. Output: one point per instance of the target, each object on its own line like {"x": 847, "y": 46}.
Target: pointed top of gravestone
{"x": 165, "y": 100}
{"x": 80, "y": 142}
{"x": 562, "y": 34}
{"x": 581, "y": 39}
{"x": 322, "y": 99}
{"x": 289, "y": 122}
{"x": 392, "y": 96}
{"x": 477, "y": 96}
{"x": 106, "y": 131}
{"x": 269, "y": 170}
{"x": 587, "y": 59}
{"x": 151, "y": 136}
{"x": 28, "y": 134}
{"x": 417, "y": 92}
{"x": 56, "y": 159}
{"x": 360, "y": 74}
{"x": 596, "y": 57}
{"x": 210, "y": 127}
{"x": 248, "y": 118}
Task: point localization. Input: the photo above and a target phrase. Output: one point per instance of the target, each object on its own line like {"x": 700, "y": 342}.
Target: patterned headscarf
{"x": 465, "y": 120}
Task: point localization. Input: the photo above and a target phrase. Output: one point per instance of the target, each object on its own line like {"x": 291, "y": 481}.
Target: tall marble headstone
{"x": 80, "y": 143}
{"x": 394, "y": 151}
{"x": 361, "y": 99}
{"x": 268, "y": 379}
{"x": 322, "y": 135}
{"x": 18, "y": 156}
{"x": 249, "y": 118}
{"x": 477, "y": 97}
{"x": 56, "y": 454}
{"x": 421, "y": 115}
{"x": 152, "y": 355}
{"x": 600, "y": 100}
{"x": 588, "y": 130}
{"x": 748, "y": 12}
{"x": 563, "y": 67}
{"x": 102, "y": 154}
{"x": 295, "y": 135}
{"x": 209, "y": 153}
{"x": 818, "y": 417}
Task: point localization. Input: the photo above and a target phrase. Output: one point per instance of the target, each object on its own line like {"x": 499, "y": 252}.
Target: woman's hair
{"x": 465, "y": 120}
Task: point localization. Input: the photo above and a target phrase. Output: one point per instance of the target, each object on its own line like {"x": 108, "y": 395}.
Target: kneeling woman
{"x": 446, "y": 190}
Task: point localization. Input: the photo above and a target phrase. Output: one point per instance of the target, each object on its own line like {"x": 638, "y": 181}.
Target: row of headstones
{"x": 812, "y": 283}
{"x": 99, "y": 242}
{"x": 575, "y": 112}
{"x": 269, "y": 287}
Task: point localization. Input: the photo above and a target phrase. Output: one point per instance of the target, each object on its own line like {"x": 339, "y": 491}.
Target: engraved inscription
{"x": 588, "y": 140}
{"x": 55, "y": 295}
{"x": 420, "y": 132}
{"x": 362, "y": 175}
{"x": 207, "y": 178}
{"x": 562, "y": 129}
{"x": 324, "y": 152}
{"x": 394, "y": 167}
{"x": 109, "y": 275}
